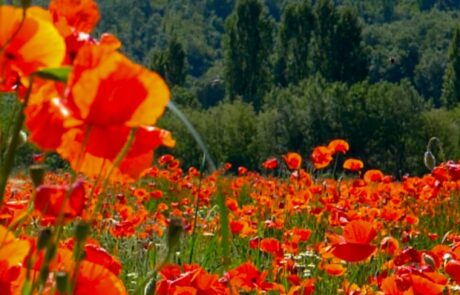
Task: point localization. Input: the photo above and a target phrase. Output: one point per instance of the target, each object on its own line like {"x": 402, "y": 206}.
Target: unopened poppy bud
{"x": 429, "y": 160}
{"x": 44, "y": 238}
{"x": 174, "y": 232}
{"x": 150, "y": 287}
{"x": 81, "y": 231}
{"x": 22, "y": 138}
{"x": 62, "y": 282}
{"x": 429, "y": 260}
{"x": 37, "y": 174}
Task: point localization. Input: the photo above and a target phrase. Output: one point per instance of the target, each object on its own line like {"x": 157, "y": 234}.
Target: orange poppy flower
{"x": 49, "y": 200}
{"x": 335, "y": 269}
{"x": 373, "y": 175}
{"x": 12, "y": 254}
{"x": 321, "y": 157}
{"x": 355, "y": 245}
{"x": 36, "y": 45}
{"x": 106, "y": 89}
{"x": 353, "y": 165}
{"x": 107, "y": 95}
{"x": 293, "y": 161}
{"x": 96, "y": 279}
{"x": 99, "y": 155}
{"x": 81, "y": 15}
{"x": 338, "y": 146}
{"x": 45, "y": 114}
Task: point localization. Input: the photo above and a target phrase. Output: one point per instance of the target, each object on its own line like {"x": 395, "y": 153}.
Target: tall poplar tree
{"x": 352, "y": 58}
{"x": 247, "y": 47}
{"x": 339, "y": 52}
{"x": 171, "y": 63}
{"x": 325, "y": 55}
{"x": 297, "y": 26}
{"x": 451, "y": 84}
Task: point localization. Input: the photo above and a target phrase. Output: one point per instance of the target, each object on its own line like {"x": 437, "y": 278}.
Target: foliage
{"x": 247, "y": 51}
{"x": 295, "y": 33}
{"x": 451, "y": 85}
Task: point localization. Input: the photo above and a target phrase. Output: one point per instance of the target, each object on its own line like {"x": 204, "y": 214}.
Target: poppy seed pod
{"x": 44, "y": 238}
{"x": 37, "y": 174}
{"x": 82, "y": 231}
{"x": 62, "y": 282}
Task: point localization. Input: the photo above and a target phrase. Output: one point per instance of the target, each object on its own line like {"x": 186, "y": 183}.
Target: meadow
{"x": 123, "y": 220}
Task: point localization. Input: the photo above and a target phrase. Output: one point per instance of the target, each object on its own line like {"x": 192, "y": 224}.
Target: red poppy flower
{"x": 242, "y": 170}
{"x": 193, "y": 280}
{"x": 355, "y": 245}
{"x": 98, "y": 255}
{"x": 272, "y": 246}
{"x": 293, "y": 161}
{"x": 49, "y": 200}
{"x": 270, "y": 164}
{"x": 353, "y": 165}
{"x": 321, "y": 157}
{"x": 247, "y": 277}
{"x": 338, "y": 146}
{"x": 452, "y": 268}
{"x": 37, "y": 44}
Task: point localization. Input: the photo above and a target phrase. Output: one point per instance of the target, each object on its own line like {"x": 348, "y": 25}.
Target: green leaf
{"x": 55, "y": 74}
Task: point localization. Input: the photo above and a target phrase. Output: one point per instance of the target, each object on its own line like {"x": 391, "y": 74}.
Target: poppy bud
{"x": 429, "y": 260}
{"x": 22, "y": 138}
{"x": 62, "y": 282}
{"x": 37, "y": 174}
{"x": 81, "y": 231}
{"x": 429, "y": 160}
{"x": 174, "y": 232}
{"x": 44, "y": 238}
{"x": 150, "y": 287}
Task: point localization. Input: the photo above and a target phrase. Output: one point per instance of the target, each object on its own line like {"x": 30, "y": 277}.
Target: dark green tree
{"x": 295, "y": 34}
{"x": 352, "y": 57}
{"x": 451, "y": 83}
{"x": 247, "y": 48}
{"x": 171, "y": 63}
{"x": 136, "y": 34}
{"x": 388, "y": 10}
{"x": 325, "y": 54}
{"x": 426, "y": 4}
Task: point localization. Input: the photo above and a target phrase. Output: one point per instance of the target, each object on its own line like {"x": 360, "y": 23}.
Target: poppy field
{"x": 123, "y": 221}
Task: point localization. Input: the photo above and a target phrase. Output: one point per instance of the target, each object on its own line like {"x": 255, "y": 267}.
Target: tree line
{"x": 260, "y": 78}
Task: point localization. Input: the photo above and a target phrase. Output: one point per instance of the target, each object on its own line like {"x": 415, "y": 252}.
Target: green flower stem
{"x": 8, "y": 163}
{"x": 121, "y": 155}
{"x": 197, "y": 205}
{"x": 224, "y": 227}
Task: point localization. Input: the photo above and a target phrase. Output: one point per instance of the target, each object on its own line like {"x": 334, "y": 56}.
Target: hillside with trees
{"x": 260, "y": 78}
